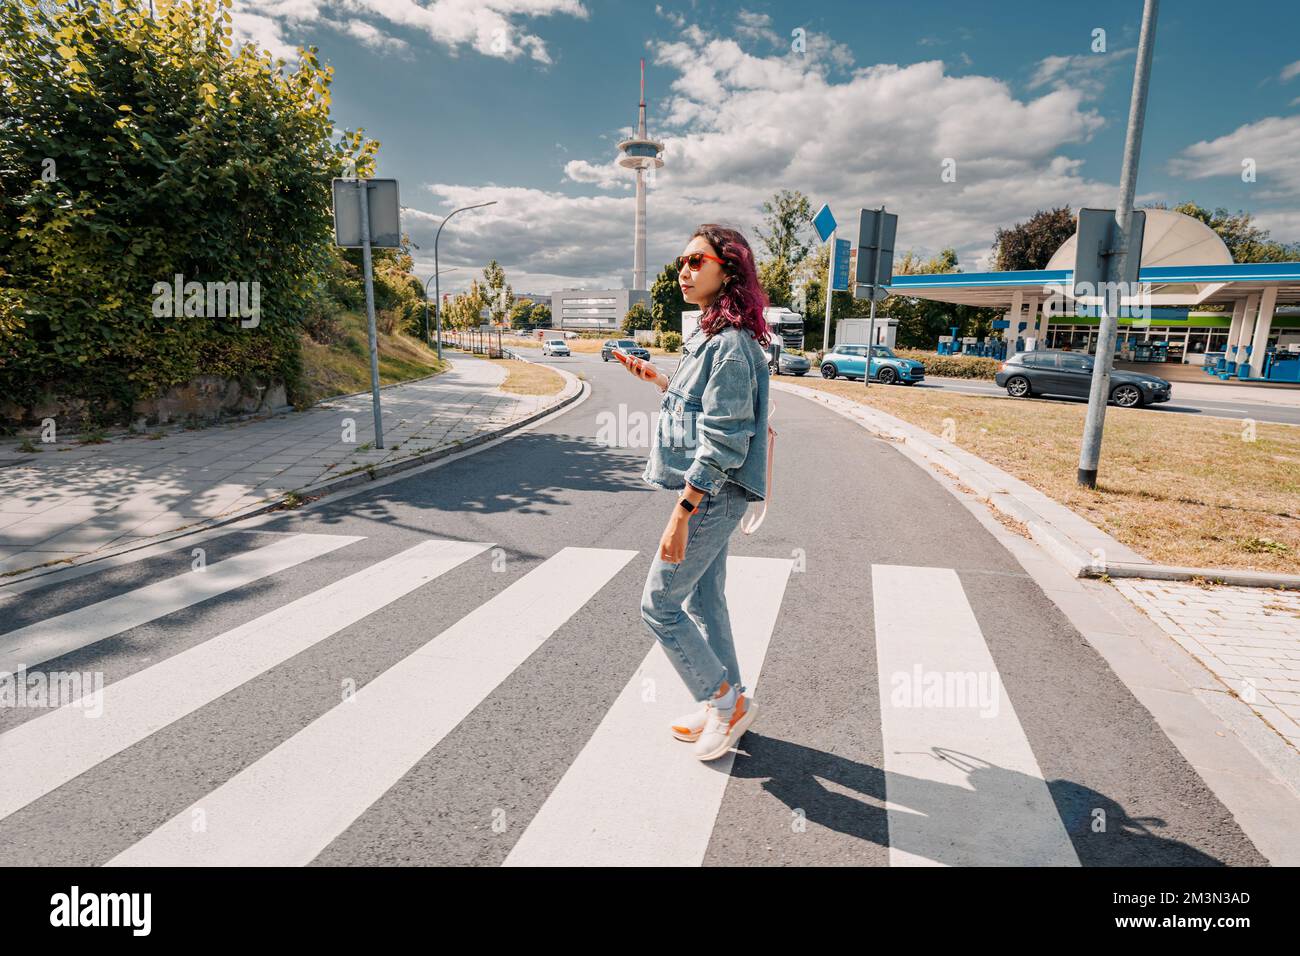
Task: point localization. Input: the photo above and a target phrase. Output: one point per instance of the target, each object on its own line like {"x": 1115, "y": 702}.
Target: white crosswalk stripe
{"x": 285, "y": 808}
{"x": 56, "y": 636}
{"x": 635, "y": 796}
{"x": 55, "y": 748}
{"x": 962, "y": 784}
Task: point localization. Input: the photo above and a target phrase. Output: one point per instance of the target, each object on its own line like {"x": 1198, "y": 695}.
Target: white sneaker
{"x": 690, "y": 726}
{"x": 723, "y": 729}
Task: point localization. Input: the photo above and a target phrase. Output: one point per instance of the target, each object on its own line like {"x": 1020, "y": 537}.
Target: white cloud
{"x": 1087, "y": 72}
{"x": 739, "y": 127}
{"x": 756, "y": 26}
{"x": 1273, "y": 143}
{"x": 373, "y": 37}
{"x": 489, "y": 27}
{"x": 1290, "y": 71}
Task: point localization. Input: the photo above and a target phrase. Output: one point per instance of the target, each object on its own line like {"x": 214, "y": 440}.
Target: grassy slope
{"x": 344, "y": 367}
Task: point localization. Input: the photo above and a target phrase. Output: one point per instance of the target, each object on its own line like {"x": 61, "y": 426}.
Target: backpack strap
{"x": 749, "y": 524}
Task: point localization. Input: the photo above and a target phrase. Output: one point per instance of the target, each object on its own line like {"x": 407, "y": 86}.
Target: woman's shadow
{"x": 989, "y": 811}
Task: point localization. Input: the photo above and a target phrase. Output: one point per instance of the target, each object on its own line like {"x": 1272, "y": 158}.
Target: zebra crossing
{"x": 631, "y": 796}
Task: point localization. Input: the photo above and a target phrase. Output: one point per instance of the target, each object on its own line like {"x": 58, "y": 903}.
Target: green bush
{"x": 953, "y": 366}
{"x": 670, "y": 341}
{"x": 133, "y": 149}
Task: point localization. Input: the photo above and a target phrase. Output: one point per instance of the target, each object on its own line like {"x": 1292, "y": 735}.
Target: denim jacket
{"x": 712, "y": 424}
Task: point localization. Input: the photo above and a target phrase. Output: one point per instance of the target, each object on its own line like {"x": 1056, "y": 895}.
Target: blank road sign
{"x": 385, "y": 221}
{"x": 876, "y": 257}
{"x": 1094, "y": 241}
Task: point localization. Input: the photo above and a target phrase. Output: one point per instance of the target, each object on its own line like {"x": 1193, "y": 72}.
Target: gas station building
{"x": 1239, "y": 320}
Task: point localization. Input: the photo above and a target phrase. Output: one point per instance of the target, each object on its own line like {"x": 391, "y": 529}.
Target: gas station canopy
{"x": 1175, "y": 285}
{"x": 1184, "y": 263}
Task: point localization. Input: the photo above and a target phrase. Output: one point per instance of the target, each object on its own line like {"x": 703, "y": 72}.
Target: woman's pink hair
{"x": 741, "y": 300}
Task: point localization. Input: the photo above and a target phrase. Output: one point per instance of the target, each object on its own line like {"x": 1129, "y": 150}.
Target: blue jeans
{"x": 685, "y": 604}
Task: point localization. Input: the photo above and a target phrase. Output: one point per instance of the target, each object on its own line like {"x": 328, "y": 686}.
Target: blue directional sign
{"x": 824, "y": 222}
{"x": 840, "y": 274}
{"x": 1001, "y": 323}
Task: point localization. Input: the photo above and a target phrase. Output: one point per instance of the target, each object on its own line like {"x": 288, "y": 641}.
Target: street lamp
{"x": 426, "y": 300}
{"x": 437, "y": 291}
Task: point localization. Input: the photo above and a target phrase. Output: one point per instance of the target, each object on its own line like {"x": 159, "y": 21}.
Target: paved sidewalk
{"x": 1248, "y": 638}
{"x": 75, "y": 500}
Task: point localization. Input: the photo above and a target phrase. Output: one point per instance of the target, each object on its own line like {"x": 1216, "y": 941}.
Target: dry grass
{"x": 529, "y": 378}
{"x": 1179, "y": 489}
{"x": 344, "y": 368}
{"x": 585, "y": 346}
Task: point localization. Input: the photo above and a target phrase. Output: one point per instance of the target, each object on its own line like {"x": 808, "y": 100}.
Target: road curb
{"x": 1042, "y": 517}
{"x": 571, "y": 392}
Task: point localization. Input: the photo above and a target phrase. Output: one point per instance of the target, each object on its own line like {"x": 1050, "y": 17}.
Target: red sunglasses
{"x": 696, "y": 261}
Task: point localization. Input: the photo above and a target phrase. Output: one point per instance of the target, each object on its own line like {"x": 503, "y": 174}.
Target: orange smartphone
{"x": 638, "y": 367}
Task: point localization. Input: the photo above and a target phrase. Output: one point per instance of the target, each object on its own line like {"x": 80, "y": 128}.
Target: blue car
{"x": 886, "y": 367}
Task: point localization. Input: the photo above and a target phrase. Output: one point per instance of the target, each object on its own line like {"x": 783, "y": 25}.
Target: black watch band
{"x": 686, "y": 503}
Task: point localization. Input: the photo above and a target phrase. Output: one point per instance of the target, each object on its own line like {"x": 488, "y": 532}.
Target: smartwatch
{"x": 686, "y": 503}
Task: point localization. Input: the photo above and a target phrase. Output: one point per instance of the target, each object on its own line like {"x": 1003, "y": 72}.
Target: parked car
{"x": 555, "y": 347}
{"x": 886, "y": 367}
{"x": 1059, "y": 372}
{"x": 623, "y": 345}
{"x": 792, "y": 364}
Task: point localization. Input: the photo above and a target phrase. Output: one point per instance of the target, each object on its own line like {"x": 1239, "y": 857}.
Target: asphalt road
{"x": 1256, "y": 411}
{"x": 494, "y": 697}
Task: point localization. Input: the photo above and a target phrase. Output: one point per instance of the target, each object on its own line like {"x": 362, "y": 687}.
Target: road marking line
{"x": 285, "y": 808}
{"x": 58, "y": 746}
{"x": 46, "y": 640}
{"x": 962, "y": 784}
{"x": 636, "y": 796}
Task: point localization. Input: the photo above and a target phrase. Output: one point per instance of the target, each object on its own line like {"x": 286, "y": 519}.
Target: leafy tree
{"x": 541, "y": 315}
{"x": 1030, "y": 244}
{"x": 521, "y": 314}
{"x": 921, "y": 322}
{"x": 666, "y": 299}
{"x": 499, "y": 294}
{"x": 135, "y": 148}
{"x": 810, "y": 298}
{"x": 466, "y": 309}
{"x": 638, "y": 318}
{"x": 787, "y": 215}
{"x": 775, "y": 277}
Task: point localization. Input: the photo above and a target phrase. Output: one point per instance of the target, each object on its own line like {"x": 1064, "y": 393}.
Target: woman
{"x": 711, "y": 444}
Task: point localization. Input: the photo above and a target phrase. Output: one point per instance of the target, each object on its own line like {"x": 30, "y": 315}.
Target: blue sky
{"x": 522, "y": 101}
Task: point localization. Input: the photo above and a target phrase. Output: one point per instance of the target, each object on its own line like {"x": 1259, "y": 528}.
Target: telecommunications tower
{"x": 640, "y": 153}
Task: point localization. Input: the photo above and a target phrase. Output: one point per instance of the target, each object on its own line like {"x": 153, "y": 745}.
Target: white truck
{"x": 784, "y": 325}
{"x": 856, "y": 331}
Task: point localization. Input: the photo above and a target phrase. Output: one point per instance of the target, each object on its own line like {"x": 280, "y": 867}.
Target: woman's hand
{"x": 672, "y": 546}
{"x": 644, "y": 370}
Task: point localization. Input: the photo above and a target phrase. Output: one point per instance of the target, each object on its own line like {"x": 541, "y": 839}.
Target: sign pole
{"x": 830, "y": 290}
{"x": 1117, "y": 262}
{"x": 875, "y": 275}
{"x": 363, "y": 187}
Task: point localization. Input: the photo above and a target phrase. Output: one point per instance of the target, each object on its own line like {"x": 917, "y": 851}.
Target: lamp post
{"x": 426, "y": 300}
{"x": 437, "y": 291}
